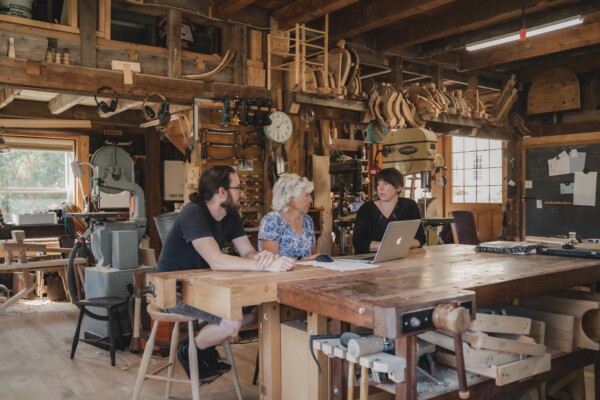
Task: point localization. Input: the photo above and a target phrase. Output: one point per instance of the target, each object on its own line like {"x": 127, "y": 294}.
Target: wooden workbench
{"x": 371, "y": 298}
{"x": 376, "y": 298}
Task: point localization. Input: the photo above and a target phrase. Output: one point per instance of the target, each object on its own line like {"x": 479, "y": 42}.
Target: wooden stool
{"x": 158, "y": 315}
{"x": 111, "y": 304}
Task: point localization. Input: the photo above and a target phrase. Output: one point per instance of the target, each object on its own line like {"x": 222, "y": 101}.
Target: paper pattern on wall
{"x": 584, "y": 193}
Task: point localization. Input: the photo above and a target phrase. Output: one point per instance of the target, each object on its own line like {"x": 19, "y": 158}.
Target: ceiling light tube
{"x": 538, "y": 30}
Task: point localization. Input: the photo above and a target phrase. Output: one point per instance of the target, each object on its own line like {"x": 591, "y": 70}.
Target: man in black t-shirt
{"x": 199, "y": 232}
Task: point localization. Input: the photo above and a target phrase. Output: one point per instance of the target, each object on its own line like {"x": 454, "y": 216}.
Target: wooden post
{"x": 269, "y": 350}
{"x": 88, "y": 15}
{"x": 397, "y": 70}
{"x": 317, "y": 325}
{"x": 151, "y": 177}
{"x": 406, "y": 347}
{"x": 240, "y": 43}
{"x": 174, "y": 44}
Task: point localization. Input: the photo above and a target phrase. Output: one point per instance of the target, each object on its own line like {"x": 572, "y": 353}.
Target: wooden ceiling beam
{"x": 7, "y": 95}
{"x": 480, "y": 15}
{"x": 303, "y": 11}
{"x": 62, "y": 102}
{"x": 224, "y": 8}
{"x": 39, "y": 109}
{"x": 363, "y": 17}
{"x": 123, "y": 105}
{"x": 575, "y": 37}
{"x": 77, "y": 80}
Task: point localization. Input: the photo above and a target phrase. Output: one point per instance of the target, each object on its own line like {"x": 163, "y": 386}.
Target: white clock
{"x": 280, "y": 129}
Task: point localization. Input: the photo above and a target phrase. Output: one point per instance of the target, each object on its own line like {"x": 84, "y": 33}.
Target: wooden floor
{"x": 35, "y": 343}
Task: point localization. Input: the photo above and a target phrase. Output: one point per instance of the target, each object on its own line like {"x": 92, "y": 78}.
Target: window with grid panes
{"x": 420, "y": 191}
{"x": 36, "y": 176}
{"x": 476, "y": 170}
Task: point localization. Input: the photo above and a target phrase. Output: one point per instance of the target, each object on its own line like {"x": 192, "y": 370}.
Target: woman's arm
{"x": 270, "y": 245}
{"x": 360, "y": 237}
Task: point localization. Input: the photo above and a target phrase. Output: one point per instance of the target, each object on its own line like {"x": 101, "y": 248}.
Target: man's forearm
{"x": 250, "y": 255}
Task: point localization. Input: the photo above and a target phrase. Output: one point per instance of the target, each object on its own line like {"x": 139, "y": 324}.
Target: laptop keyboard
{"x": 371, "y": 258}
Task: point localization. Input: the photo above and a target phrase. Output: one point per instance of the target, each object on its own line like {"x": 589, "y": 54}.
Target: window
{"x": 420, "y": 191}
{"x": 476, "y": 170}
{"x": 35, "y": 176}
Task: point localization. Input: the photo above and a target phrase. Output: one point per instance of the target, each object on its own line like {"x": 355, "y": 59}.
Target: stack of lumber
{"x": 504, "y": 348}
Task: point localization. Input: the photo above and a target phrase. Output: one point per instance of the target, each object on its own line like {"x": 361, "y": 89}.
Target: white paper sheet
{"x": 567, "y": 189}
{"x": 559, "y": 165}
{"x": 539, "y": 203}
{"x": 584, "y": 193}
{"x": 577, "y": 161}
{"x": 339, "y": 265}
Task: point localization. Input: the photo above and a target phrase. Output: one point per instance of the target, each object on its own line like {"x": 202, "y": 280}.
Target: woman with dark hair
{"x": 195, "y": 241}
{"x": 373, "y": 217}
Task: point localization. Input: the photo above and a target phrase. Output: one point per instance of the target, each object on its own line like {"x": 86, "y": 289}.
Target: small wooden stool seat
{"x": 159, "y": 315}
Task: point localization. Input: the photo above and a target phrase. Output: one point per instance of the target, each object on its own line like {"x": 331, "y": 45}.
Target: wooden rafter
{"x": 363, "y": 17}
{"x": 7, "y": 95}
{"x": 123, "y": 105}
{"x": 303, "y": 11}
{"x": 79, "y": 80}
{"x": 224, "y": 8}
{"x": 479, "y": 15}
{"x": 45, "y": 123}
{"x": 62, "y": 102}
{"x": 39, "y": 109}
{"x": 554, "y": 42}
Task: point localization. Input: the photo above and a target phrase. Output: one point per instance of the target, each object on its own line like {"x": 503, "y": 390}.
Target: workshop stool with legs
{"x": 158, "y": 315}
{"x": 111, "y": 305}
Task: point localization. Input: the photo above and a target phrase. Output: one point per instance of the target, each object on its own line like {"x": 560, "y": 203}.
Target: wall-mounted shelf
{"x": 315, "y": 100}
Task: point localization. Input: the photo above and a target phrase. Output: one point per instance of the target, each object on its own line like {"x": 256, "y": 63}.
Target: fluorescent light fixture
{"x": 538, "y": 30}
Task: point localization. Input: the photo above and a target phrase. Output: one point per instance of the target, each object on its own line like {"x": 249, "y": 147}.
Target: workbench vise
{"x": 447, "y": 309}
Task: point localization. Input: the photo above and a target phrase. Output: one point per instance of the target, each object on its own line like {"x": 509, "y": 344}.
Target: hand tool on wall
{"x": 225, "y": 115}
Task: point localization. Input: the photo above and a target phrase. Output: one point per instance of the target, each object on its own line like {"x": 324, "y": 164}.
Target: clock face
{"x": 280, "y": 129}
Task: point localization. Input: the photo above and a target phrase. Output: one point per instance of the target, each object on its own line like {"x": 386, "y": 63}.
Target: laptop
{"x": 395, "y": 244}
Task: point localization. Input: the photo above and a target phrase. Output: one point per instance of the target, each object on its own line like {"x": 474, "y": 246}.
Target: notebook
{"x": 395, "y": 243}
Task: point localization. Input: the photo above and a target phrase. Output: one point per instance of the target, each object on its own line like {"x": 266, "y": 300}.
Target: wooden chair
{"x": 464, "y": 229}
{"x": 110, "y": 303}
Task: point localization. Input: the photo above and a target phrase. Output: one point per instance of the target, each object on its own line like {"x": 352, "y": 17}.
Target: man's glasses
{"x": 238, "y": 188}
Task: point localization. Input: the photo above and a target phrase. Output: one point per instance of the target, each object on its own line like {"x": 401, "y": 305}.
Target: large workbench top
{"x": 431, "y": 274}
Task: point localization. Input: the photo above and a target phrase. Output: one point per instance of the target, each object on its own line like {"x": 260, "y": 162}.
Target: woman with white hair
{"x": 288, "y": 230}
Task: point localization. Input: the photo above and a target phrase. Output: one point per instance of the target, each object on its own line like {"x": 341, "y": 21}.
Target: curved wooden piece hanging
{"x": 553, "y": 90}
{"x": 411, "y": 117}
{"x": 229, "y": 55}
{"x": 355, "y": 66}
{"x": 397, "y": 110}
{"x": 339, "y": 64}
{"x": 322, "y": 77}
{"x": 389, "y": 97}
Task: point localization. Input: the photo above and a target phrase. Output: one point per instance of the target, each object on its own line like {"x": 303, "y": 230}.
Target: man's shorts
{"x": 193, "y": 312}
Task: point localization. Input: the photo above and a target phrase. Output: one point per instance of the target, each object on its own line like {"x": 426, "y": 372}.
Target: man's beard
{"x": 230, "y": 206}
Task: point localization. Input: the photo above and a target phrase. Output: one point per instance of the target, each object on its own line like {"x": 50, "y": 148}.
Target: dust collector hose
{"x": 71, "y": 280}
